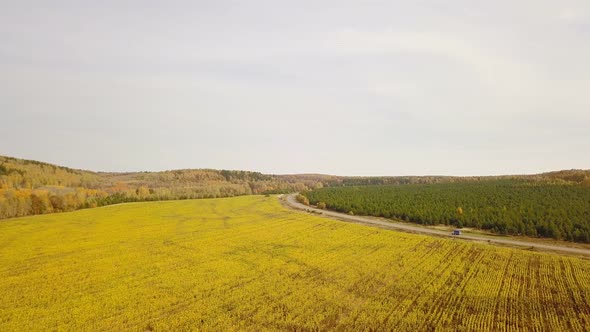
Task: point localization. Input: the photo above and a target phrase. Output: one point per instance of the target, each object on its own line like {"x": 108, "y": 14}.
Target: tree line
{"x": 30, "y": 187}
{"x": 504, "y": 206}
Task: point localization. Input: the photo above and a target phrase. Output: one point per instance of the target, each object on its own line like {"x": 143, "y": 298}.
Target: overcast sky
{"x": 339, "y": 87}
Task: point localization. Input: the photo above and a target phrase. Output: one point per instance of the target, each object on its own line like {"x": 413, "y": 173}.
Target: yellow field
{"x": 249, "y": 264}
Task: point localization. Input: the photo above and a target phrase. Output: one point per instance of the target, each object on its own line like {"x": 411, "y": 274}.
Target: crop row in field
{"x": 249, "y": 264}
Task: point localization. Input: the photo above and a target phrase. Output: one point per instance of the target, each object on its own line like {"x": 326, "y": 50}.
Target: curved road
{"x": 292, "y": 202}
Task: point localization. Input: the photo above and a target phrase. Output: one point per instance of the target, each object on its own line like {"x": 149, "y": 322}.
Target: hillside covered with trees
{"x": 30, "y": 187}
{"x": 550, "y": 207}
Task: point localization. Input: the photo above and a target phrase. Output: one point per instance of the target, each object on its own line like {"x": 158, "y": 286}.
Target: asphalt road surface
{"x": 292, "y": 202}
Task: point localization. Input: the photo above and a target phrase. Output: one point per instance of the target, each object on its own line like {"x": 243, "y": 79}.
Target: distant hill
{"x": 572, "y": 175}
{"x": 33, "y": 187}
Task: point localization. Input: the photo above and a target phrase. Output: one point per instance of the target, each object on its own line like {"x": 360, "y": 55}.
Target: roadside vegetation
{"x": 247, "y": 263}
{"x": 302, "y": 199}
{"x": 517, "y": 207}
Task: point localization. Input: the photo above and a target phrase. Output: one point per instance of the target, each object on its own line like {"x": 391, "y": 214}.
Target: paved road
{"x": 292, "y": 202}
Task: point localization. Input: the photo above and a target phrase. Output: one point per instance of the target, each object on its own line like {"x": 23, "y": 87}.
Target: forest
{"x": 504, "y": 206}
{"x": 29, "y": 187}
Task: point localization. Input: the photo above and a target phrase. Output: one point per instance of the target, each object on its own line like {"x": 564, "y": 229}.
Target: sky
{"x": 336, "y": 87}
